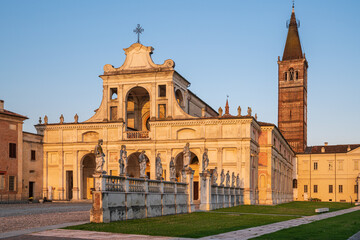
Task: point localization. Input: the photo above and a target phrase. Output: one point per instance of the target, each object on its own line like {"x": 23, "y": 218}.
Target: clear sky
{"x": 52, "y": 53}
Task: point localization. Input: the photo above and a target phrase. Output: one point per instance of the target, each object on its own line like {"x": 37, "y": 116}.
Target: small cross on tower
{"x": 138, "y": 30}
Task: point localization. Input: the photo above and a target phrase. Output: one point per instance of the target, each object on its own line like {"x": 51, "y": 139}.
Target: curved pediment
{"x": 138, "y": 58}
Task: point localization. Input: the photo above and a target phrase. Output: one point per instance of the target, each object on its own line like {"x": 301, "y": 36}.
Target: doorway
{"x": 88, "y": 169}
{"x": 69, "y": 185}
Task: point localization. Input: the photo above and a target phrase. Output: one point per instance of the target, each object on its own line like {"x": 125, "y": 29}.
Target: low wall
{"x": 121, "y": 198}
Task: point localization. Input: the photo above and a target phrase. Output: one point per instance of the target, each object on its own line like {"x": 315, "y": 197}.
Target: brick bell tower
{"x": 292, "y": 105}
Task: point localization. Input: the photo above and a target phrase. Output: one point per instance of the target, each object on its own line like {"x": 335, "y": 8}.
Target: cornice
{"x": 200, "y": 121}
{"x": 83, "y": 126}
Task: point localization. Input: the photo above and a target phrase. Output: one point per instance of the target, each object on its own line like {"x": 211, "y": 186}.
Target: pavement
{"x": 51, "y": 232}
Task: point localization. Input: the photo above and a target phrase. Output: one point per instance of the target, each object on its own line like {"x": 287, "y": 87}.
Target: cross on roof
{"x": 138, "y": 30}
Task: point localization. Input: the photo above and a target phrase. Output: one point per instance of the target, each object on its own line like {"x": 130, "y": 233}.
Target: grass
{"x": 194, "y": 225}
{"x": 292, "y": 208}
{"x": 340, "y": 227}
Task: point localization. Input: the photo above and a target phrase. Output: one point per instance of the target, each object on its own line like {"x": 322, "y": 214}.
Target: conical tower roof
{"x": 293, "y": 46}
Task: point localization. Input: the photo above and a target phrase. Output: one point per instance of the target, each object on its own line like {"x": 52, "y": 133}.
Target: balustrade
{"x": 137, "y": 135}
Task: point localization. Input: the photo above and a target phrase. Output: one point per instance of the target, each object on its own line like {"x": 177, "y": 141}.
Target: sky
{"x": 52, "y": 52}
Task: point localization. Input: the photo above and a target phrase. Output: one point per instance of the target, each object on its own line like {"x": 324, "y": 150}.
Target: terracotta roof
{"x": 330, "y": 149}
{"x": 293, "y": 46}
{"x": 9, "y": 113}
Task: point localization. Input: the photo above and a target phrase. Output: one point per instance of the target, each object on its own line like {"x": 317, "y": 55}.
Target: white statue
{"x": 214, "y": 176}
{"x": 205, "y": 159}
{"x": 233, "y": 179}
{"x": 183, "y": 176}
{"x": 228, "y": 179}
{"x": 142, "y": 163}
{"x": 172, "y": 170}
{"x": 123, "y": 160}
{"x": 99, "y": 154}
{"x": 249, "y": 111}
{"x": 222, "y": 178}
{"x": 186, "y": 155}
{"x": 158, "y": 166}
{"x": 238, "y": 181}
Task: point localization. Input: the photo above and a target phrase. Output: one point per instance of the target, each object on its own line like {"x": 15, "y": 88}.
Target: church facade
{"x": 148, "y": 107}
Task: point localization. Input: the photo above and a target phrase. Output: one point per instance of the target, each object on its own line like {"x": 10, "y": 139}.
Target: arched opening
{"x": 294, "y": 183}
{"x": 133, "y": 168}
{"x": 179, "y": 98}
{"x": 88, "y": 168}
{"x": 137, "y": 109}
{"x": 291, "y": 74}
{"x": 194, "y": 164}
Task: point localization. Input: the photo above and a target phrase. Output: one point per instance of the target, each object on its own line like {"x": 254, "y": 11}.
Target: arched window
{"x": 285, "y": 76}
{"x": 291, "y": 74}
{"x": 294, "y": 183}
{"x": 297, "y": 75}
{"x": 179, "y": 98}
{"x": 137, "y": 109}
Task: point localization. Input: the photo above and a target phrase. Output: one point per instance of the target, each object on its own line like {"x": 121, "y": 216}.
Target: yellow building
{"x": 328, "y": 173}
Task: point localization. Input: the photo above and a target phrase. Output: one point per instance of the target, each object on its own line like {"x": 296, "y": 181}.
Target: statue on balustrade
{"x": 228, "y": 179}
{"x": 187, "y": 156}
{"x": 233, "y": 179}
{"x": 222, "y": 178}
{"x": 159, "y": 168}
{"x": 123, "y": 160}
{"x": 172, "y": 170}
{"x": 214, "y": 177}
{"x": 205, "y": 162}
{"x": 183, "y": 176}
{"x": 142, "y": 163}
{"x": 99, "y": 155}
{"x": 238, "y": 180}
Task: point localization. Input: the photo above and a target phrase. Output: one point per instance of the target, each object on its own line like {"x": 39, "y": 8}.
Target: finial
{"x": 220, "y": 112}
{"x": 239, "y": 111}
{"x": 61, "y": 119}
{"x": 46, "y": 119}
{"x": 293, "y": 3}
{"x": 40, "y": 120}
{"x": 138, "y": 30}
{"x": 227, "y": 105}
{"x": 76, "y": 118}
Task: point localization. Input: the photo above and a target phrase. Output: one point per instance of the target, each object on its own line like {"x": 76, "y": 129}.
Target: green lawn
{"x": 340, "y": 227}
{"x": 194, "y": 225}
{"x": 292, "y": 208}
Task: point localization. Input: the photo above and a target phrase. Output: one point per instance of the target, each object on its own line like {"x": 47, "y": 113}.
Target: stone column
{"x": 205, "y": 191}
{"x": 190, "y": 188}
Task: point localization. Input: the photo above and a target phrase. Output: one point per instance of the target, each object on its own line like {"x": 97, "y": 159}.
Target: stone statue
{"x": 249, "y": 111}
{"x": 40, "y": 120}
{"x": 233, "y": 179}
{"x": 222, "y": 178}
{"x": 238, "y": 180}
{"x": 186, "y": 155}
{"x": 99, "y": 154}
{"x": 205, "y": 162}
{"x": 123, "y": 160}
{"x": 239, "y": 111}
{"x": 46, "y": 119}
{"x": 255, "y": 116}
{"x": 172, "y": 170}
{"x": 214, "y": 177}
{"x": 76, "y": 118}
{"x": 61, "y": 119}
{"x": 220, "y": 112}
{"x": 228, "y": 179}
{"x": 142, "y": 163}
{"x": 183, "y": 176}
{"x": 159, "y": 168}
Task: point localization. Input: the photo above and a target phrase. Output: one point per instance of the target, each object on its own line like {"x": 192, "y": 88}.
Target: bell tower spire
{"x": 292, "y": 100}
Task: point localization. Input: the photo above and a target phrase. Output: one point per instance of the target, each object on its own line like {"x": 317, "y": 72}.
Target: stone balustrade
{"x": 137, "y": 135}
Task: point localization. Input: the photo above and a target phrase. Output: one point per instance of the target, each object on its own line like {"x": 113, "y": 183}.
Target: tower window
{"x": 12, "y": 150}
{"x": 285, "y": 76}
{"x": 113, "y": 93}
{"x": 291, "y": 73}
{"x": 297, "y": 75}
{"x": 162, "y": 90}
{"x": 33, "y": 155}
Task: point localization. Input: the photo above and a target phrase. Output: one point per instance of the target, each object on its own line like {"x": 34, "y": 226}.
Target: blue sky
{"x": 52, "y": 53}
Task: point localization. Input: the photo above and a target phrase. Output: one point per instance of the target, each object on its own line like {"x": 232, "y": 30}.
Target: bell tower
{"x": 292, "y": 99}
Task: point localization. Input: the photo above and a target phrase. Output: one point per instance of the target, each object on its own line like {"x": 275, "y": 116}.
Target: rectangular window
{"x": 162, "y": 90}
{"x": 315, "y": 188}
{"x": 305, "y": 188}
{"x": 2, "y": 181}
{"x": 12, "y": 150}
{"x": 285, "y": 76}
{"x": 33, "y": 155}
{"x": 356, "y": 188}
{"x": 297, "y": 75}
{"x": 113, "y": 93}
{"x": 340, "y": 188}
{"x": 315, "y": 166}
{"x": 11, "y": 183}
{"x": 162, "y": 110}
{"x": 113, "y": 113}
{"x": 330, "y": 188}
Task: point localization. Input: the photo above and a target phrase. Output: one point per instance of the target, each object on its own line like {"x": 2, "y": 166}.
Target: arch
{"x": 133, "y": 167}
{"x": 291, "y": 74}
{"x": 195, "y": 165}
{"x": 262, "y": 181}
{"x": 179, "y": 98}
{"x": 88, "y": 165}
{"x": 137, "y": 107}
{"x": 185, "y": 133}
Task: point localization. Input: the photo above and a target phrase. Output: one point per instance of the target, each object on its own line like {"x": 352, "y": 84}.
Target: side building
{"x": 148, "y": 107}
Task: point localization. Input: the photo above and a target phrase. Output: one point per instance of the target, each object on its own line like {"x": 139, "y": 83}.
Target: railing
{"x": 115, "y": 184}
{"x": 169, "y": 187}
{"x": 181, "y": 187}
{"x": 154, "y": 186}
{"x": 137, "y": 135}
{"x": 136, "y": 185}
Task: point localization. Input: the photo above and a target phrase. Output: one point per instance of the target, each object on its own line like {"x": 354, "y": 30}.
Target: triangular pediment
{"x": 138, "y": 58}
